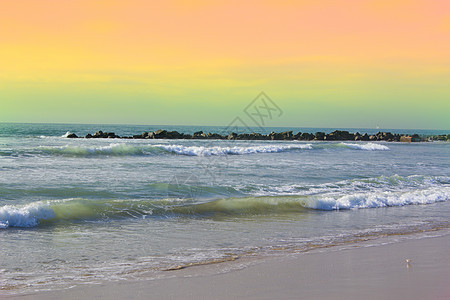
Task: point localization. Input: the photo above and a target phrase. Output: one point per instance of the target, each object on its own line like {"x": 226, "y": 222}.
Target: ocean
{"x": 86, "y": 211}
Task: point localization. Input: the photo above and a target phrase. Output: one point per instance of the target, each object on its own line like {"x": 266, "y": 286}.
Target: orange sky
{"x": 281, "y": 47}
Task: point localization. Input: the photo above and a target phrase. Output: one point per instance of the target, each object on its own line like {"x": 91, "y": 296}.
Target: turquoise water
{"x": 76, "y": 211}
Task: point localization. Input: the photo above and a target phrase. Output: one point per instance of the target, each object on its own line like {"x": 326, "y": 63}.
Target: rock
{"x": 287, "y": 135}
{"x": 214, "y": 136}
{"x": 248, "y": 136}
{"x": 98, "y": 134}
{"x": 297, "y": 136}
{"x": 258, "y": 136}
{"x": 365, "y": 137}
{"x": 415, "y": 138}
{"x": 320, "y": 136}
{"x": 274, "y": 136}
{"x": 232, "y": 136}
{"x": 103, "y": 135}
{"x": 160, "y": 134}
{"x": 339, "y": 135}
{"x": 441, "y": 137}
{"x": 389, "y": 137}
{"x": 307, "y": 136}
{"x": 199, "y": 135}
{"x": 243, "y": 136}
{"x": 174, "y": 135}
{"x": 110, "y": 135}
{"x": 384, "y": 136}
{"x": 72, "y": 136}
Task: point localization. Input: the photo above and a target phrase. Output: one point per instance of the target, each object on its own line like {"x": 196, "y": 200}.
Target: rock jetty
{"x": 337, "y": 135}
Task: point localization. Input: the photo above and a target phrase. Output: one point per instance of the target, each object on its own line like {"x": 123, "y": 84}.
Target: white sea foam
{"x": 66, "y": 134}
{"x": 375, "y": 184}
{"x": 25, "y": 216}
{"x": 209, "y": 151}
{"x": 123, "y": 149}
{"x": 378, "y": 199}
{"x": 32, "y": 214}
{"x": 367, "y": 147}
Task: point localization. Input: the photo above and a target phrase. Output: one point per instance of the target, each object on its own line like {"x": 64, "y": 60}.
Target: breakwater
{"x": 337, "y": 135}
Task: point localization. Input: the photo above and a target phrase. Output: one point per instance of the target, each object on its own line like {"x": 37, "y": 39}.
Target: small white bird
{"x": 408, "y": 262}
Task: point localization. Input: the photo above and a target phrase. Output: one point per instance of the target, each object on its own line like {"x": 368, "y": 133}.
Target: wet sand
{"x": 375, "y": 272}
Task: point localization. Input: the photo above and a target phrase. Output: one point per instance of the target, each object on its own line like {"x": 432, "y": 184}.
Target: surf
{"x": 128, "y": 149}
{"x": 79, "y": 210}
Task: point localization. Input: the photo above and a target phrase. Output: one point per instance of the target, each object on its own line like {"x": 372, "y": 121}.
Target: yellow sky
{"x": 326, "y": 63}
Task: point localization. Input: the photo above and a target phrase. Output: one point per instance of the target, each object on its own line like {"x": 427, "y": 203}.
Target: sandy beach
{"x": 368, "y": 272}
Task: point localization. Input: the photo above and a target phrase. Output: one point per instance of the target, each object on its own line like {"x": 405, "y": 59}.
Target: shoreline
{"x": 337, "y": 135}
{"x": 358, "y": 271}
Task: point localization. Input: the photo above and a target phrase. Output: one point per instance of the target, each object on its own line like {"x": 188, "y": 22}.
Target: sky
{"x": 342, "y": 64}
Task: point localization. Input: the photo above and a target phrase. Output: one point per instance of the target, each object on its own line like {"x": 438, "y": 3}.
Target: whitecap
{"x": 209, "y": 151}
{"x": 378, "y": 199}
{"x": 28, "y": 215}
{"x": 367, "y": 147}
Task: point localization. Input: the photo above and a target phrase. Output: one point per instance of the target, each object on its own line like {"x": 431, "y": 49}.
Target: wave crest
{"x": 114, "y": 149}
{"x": 367, "y": 147}
{"x": 71, "y": 210}
{"x": 129, "y": 149}
{"x": 29, "y": 215}
{"x": 216, "y": 150}
{"x": 378, "y": 199}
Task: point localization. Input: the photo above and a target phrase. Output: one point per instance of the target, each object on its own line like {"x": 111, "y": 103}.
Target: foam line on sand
{"x": 410, "y": 269}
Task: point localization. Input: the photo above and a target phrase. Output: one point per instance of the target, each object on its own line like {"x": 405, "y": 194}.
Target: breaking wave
{"x": 66, "y": 134}
{"x": 209, "y": 151}
{"x": 367, "y": 147}
{"x": 125, "y": 149}
{"x": 114, "y": 149}
{"x": 76, "y": 210}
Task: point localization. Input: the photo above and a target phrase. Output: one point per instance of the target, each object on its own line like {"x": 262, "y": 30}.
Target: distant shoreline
{"x": 337, "y": 135}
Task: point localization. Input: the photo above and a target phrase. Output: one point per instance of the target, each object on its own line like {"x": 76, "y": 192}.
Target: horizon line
{"x": 278, "y": 126}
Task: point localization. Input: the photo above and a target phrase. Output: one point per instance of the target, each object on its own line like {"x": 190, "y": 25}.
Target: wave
{"x": 382, "y": 183}
{"x": 114, "y": 149}
{"x": 209, "y": 151}
{"x": 367, "y": 147}
{"x": 267, "y": 148}
{"x": 38, "y": 193}
{"x": 125, "y": 149}
{"x": 379, "y": 199}
{"x": 25, "y": 216}
{"x": 75, "y": 210}
{"x": 66, "y": 134}
{"x": 192, "y": 187}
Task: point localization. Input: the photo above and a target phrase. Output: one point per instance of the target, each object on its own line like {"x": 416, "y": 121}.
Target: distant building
{"x": 409, "y": 139}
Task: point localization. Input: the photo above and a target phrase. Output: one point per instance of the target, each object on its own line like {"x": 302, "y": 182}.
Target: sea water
{"x": 84, "y": 211}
